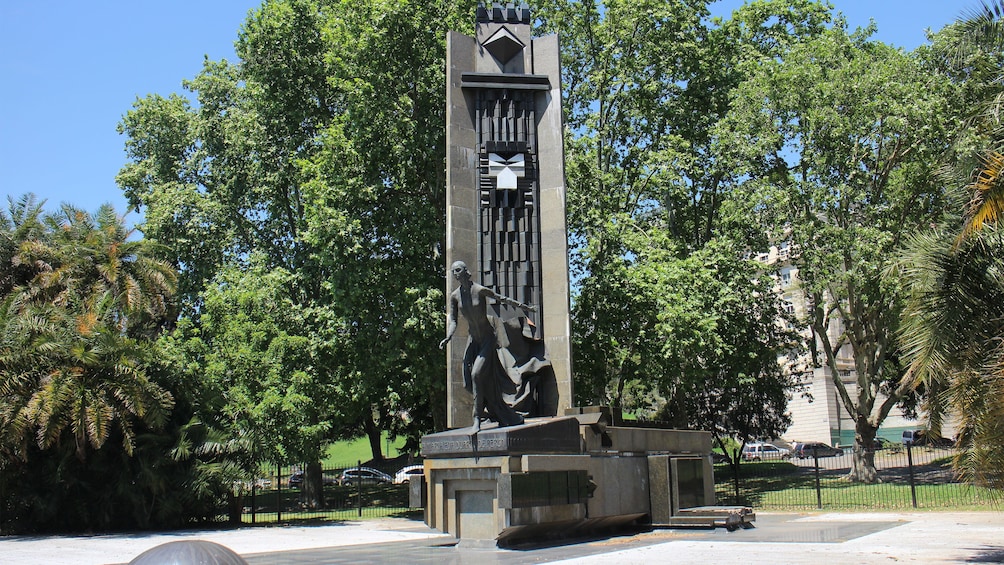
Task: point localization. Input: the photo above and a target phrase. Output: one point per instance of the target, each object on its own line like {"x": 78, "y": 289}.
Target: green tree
{"x": 651, "y": 210}
{"x": 71, "y": 325}
{"x": 847, "y": 171}
{"x": 258, "y": 371}
{"x": 742, "y": 382}
{"x": 85, "y": 429}
{"x": 377, "y": 204}
{"x": 320, "y": 154}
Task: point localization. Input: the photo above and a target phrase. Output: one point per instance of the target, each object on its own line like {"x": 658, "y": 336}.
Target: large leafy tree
{"x": 320, "y": 154}
{"x": 748, "y": 370}
{"x": 624, "y": 68}
{"x": 219, "y": 182}
{"x": 840, "y": 138}
{"x": 651, "y": 210}
{"x": 377, "y": 204}
{"x": 255, "y": 367}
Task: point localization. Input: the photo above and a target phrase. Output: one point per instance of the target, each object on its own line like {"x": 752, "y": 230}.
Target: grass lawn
{"x": 783, "y": 486}
{"x": 351, "y": 452}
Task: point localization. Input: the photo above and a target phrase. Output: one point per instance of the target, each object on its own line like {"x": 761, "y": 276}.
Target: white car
{"x": 406, "y": 473}
{"x": 763, "y": 451}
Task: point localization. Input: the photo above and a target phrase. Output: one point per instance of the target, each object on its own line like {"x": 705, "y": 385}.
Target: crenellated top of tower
{"x": 502, "y": 13}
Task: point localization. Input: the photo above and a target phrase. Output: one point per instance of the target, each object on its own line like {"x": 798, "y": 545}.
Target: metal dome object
{"x": 188, "y": 552}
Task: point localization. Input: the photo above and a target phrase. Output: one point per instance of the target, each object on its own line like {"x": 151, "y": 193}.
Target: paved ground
{"x": 830, "y": 538}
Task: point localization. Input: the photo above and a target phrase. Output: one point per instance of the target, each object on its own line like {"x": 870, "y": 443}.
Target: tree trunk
{"x": 374, "y": 436}
{"x": 313, "y": 485}
{"x": 863, "y": 468}
{"x": 235, "y": 508}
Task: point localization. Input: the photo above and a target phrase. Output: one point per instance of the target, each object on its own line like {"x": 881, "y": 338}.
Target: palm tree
{"x": 116, "y": 279}
{"x": 75, "y": 345}
{"x": 951, "y": 335}
{"x": 974, "y": 51}
{"x": 20, "y": 223}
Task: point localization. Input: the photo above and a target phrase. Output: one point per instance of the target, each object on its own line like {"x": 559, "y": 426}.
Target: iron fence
{"x": 280, "y": 496}
{"x": 917, "y": 477}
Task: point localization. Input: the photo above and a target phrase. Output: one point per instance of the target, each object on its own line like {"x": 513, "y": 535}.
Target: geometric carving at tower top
{"x": 503, "y": 45}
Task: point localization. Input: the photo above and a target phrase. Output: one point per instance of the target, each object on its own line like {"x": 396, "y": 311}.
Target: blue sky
{"x": 70, "y": 70}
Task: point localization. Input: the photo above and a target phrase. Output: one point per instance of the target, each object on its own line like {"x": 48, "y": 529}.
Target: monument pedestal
{"x": 564, "y": 477}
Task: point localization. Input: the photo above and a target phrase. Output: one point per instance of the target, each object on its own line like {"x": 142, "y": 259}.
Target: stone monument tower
{"x": 506, "y": 190}
{"x": 569, "y": 472}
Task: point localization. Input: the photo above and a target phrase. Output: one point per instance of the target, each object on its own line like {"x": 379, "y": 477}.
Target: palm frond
{"x": 983, "y": 24}
{"x": 987, "y": 189}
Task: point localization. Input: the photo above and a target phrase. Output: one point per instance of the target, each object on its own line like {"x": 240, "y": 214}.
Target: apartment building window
{"x": 788, "y": 306}
{"x": 785, "y": 277}
{"x": 783, "y": 251}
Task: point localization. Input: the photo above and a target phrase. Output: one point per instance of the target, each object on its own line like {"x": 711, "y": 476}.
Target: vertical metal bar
{"x": 278, "y": 493}
{"x": 735, "y": 474}
{"x": 254, "y": 490}
{"x": 819, "y": 494}
{"x": 913, "y": 483}
{"x": 359, "y": 483}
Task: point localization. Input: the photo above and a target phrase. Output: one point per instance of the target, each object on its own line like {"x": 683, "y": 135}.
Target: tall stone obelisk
{"x": 506, "y": 186}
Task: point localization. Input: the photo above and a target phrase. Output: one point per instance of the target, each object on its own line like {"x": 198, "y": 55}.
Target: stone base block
{"x": 569, "y": 477}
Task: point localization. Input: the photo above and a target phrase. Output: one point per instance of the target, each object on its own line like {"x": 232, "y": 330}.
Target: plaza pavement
{"x": 816, "y": 538}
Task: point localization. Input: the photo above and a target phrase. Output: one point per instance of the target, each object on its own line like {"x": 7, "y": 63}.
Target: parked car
{"x": 364, "y": 475}
{"x": 717, "y": 458}
{"x": 762, "y": 451}
{"x": 921, "y": 438}
{"x": 296, "y": 480}
{"x": 406, "y": 473}
{"x": 815, "y": 449}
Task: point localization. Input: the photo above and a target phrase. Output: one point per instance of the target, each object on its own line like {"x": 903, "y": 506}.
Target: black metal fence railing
{"x": 919, "y": 477}
{"x": 348, "y": 492}
{"x": 916, "y": 477}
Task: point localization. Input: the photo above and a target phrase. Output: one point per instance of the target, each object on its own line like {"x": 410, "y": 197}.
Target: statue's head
{"x": 459, "y": 269}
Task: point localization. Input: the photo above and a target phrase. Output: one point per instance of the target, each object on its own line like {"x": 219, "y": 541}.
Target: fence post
{"x": 913, "y": 483}
{"x": 278, "y": 493}
{"x": 735, "y": 474}
{"x": 359, "y": 485}
{"x": 254, "y": 488}
{"x": 819, "y": 492}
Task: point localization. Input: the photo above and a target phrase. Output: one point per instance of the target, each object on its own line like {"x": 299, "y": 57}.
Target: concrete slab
{"x": 810, "y": 538}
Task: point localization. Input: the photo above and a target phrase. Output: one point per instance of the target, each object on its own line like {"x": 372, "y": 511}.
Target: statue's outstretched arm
{"x": 451, "y": 322}
{"x": 510, "y": 302}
